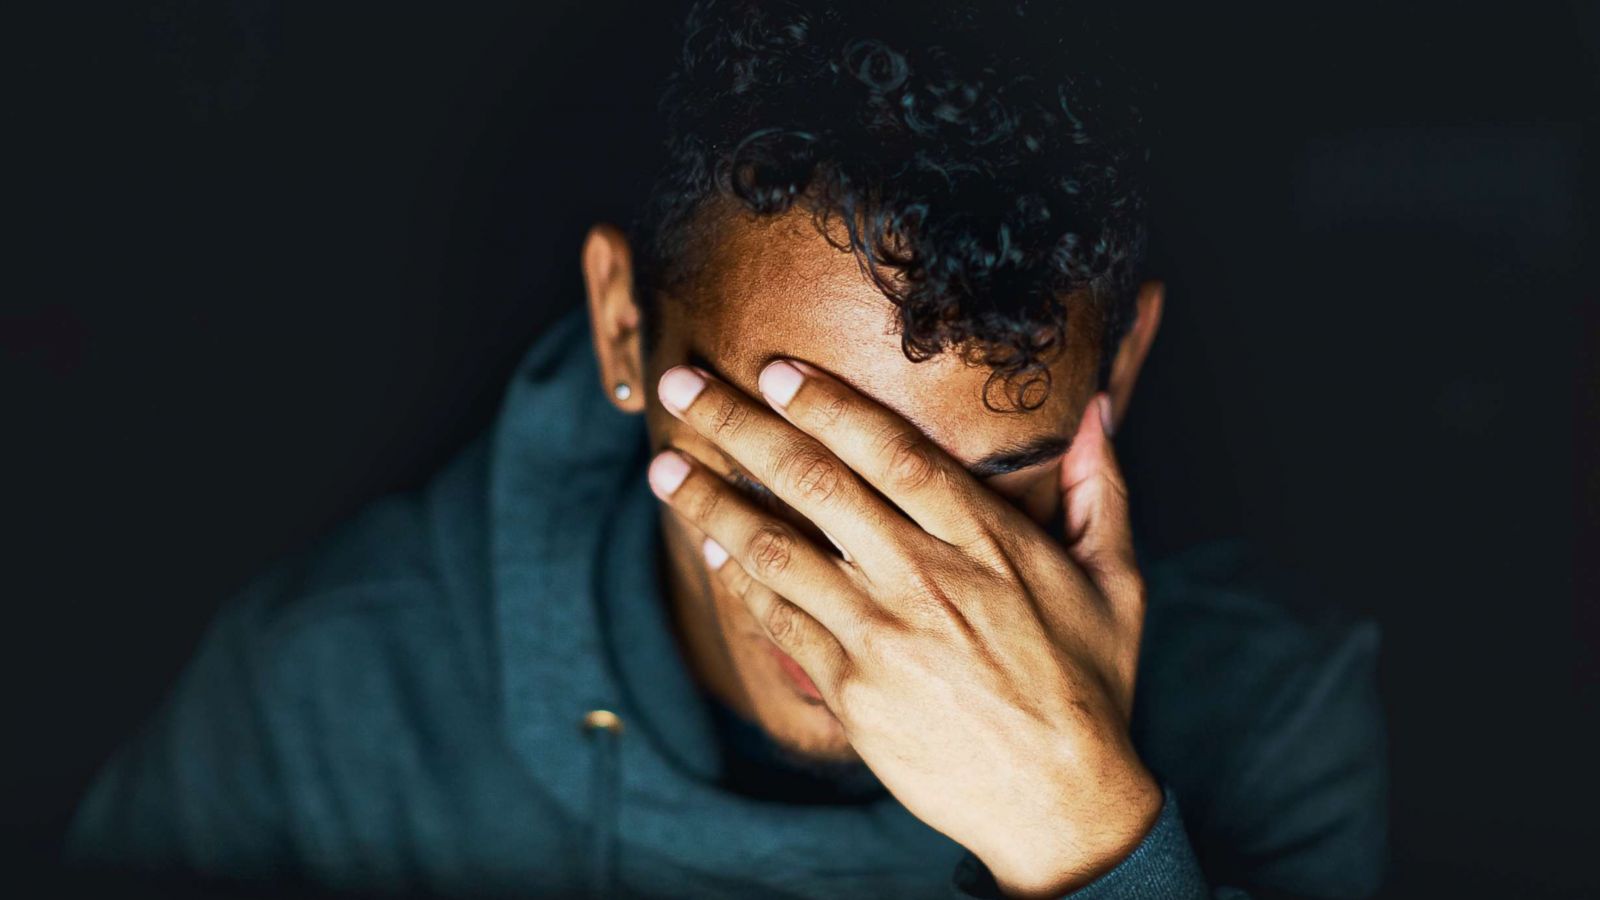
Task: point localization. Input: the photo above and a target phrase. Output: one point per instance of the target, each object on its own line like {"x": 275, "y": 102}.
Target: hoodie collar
{"x": 580, "y": 619}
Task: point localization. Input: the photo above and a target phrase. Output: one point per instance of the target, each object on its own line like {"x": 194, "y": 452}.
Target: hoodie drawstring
{"x": 604, "y": 729}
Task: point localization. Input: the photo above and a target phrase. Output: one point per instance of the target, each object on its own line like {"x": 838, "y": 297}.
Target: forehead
{"x": 776, "y": 287}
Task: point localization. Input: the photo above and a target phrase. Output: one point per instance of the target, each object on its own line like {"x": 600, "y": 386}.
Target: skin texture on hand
{"x": 984, "y": 671}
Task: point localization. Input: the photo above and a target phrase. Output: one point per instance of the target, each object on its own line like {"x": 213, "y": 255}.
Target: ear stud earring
{"x": 622, "y": 391}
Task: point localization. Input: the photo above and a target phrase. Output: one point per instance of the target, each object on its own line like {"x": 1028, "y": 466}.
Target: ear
{"x": 1135, "y": 346}
{"x": 614, "y": 315}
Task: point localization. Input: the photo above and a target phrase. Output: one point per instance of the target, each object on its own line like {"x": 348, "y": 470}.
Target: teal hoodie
{"x": 408, "y": 707}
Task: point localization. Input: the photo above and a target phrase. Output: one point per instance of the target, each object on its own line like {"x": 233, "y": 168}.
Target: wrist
{"x": 1082, "y": 844}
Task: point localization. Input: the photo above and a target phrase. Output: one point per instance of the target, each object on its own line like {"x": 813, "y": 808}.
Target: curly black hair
{"x": 986, "y": 160}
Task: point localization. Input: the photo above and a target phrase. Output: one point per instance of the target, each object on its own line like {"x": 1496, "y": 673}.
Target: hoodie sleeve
{"x": 196, "y": 790}
{"x": 1162, "y": 866}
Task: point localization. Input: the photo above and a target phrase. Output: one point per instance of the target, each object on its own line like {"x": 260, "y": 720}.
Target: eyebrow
{"x": 1001, "y": 462}
{"x": 1021, "y": 456}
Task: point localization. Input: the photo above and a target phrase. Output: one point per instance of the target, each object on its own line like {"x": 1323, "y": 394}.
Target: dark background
{"x": 270, "y": 260}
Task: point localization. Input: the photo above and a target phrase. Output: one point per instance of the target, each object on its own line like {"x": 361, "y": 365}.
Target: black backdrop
{"x": 270, "y": 260}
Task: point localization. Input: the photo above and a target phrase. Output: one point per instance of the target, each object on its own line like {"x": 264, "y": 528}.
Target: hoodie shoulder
{"x": 1265, "y": 718}
{"x": 217, "y": 782}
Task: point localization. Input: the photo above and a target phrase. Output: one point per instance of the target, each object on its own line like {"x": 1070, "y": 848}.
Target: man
{"x": 829, "y": 589}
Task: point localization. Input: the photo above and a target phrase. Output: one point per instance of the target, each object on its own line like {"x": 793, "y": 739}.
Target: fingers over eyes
{"x": 793, "y": 465}
{"x": 771, "y": 551}
{"x": 896, "y": 458}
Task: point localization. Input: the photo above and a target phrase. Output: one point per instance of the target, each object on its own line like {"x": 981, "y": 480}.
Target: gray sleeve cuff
{"x": 1162, "y": 866}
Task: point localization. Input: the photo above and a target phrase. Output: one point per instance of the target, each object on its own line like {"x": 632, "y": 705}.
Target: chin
{"x": 803, "y": 740}
{"x": 801, "y": 726}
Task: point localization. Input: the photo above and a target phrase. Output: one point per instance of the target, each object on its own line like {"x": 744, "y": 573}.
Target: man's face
{"x": 776, "y": 287}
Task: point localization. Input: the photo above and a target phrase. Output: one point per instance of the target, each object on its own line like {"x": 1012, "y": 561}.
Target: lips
{"x": 802, "y": 682}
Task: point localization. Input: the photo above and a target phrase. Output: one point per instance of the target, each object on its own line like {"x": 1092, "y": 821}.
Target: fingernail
{"x": 667, "y": 471}
{"x": 779, "y": 382}
{"x": 679, "y": 386}
{"x": 715, "y": 555}
{"x": 1105, "y": 414}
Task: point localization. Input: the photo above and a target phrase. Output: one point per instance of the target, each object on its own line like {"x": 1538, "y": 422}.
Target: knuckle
{"x": 1115, "y": 566}
{"x": 770, "y": 551}
{"x": 910, "y": 466}
{"x": 990, "y": 550}
{"x": 783, "y": 621}
{"x": 924, "y": 595}
{"x": 701, "y": 500}
{"x": 810, "y": 475}
{"x": 828, "y": 413}
{"x": 729, "y": 417}
{"x": 880, "y": 641}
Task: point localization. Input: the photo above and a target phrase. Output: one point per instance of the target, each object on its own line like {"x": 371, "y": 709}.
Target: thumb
{"x": 1099, "y": 533}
